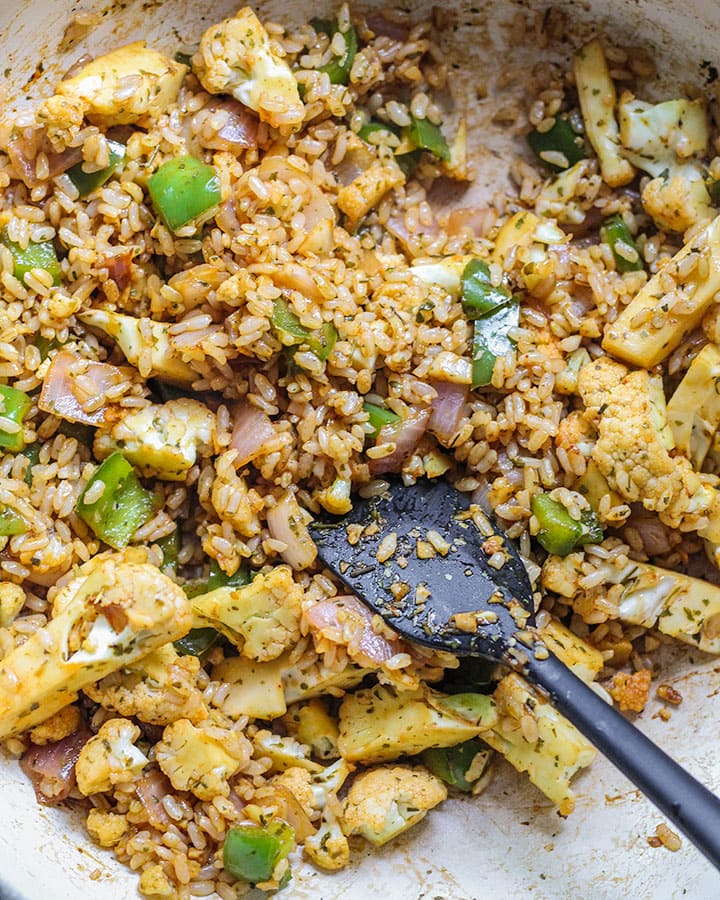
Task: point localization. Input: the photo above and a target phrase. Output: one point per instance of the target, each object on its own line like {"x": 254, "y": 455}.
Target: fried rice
{"x": 321, "y": 226}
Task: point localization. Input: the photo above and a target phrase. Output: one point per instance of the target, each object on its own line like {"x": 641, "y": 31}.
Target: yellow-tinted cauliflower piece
{"x": 106, "y": 828}
{"x": 59, "y": 726}
{"x": 262, "y": 618}
{"x": 119, "y": 88}
{"x": 387, "y": 800}
{"x": 201, "y": 758}
{"x": 634, "y": 438}
{"x": 237, "y": 57}
{"x": 110, "y": 758}
{"x": 158, "y": 689}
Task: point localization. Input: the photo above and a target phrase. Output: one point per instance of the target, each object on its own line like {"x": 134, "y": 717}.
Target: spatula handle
{"x": 689, "y": 805}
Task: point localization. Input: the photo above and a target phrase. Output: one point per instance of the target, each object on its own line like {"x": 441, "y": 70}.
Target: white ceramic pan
{"x": 509, "y": 842}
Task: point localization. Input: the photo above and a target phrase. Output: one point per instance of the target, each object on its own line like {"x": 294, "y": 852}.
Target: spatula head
{"x": 449, "y": 559}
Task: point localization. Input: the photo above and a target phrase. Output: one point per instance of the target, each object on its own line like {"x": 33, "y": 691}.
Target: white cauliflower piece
{"x": 283, "y": 752}
{"x": 262, "y": 618}
{"x": 634, "y": 440}
{"x": 237, "y": 57}
{"x": 312, "y": 724}
{"x": 328, "y": 848}
{"x": 667, "y": 140}
{"x": 387, "y": 800}
{"x": 554, "y": 757}
{"x": 634, "y": 337}
{"x": 119, "y": 88}
{"x": 110, "y": 758}
{"x": 159, "y": 689}
{"x": 106, "y": 828}
{"x": 114, "y": 612}
{"x": 380, "y": 723}
{"x": 161, "y": 440}
{"x": 147, "y": 345}
{"x": 201, "y": 758}
{"x": 12, "y": 600}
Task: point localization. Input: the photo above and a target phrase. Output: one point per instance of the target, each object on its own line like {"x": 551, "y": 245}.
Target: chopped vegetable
{"x": 479, "y": 295}
{"x": 87, "y": 182}
{"x": 491, "y": 340}
{"x": 32, "y": 452}
{"x": 694, "y": 409}
{"x": 633, "y": 336}
{"x": 560, "y": 147}
{"x": 425, "y": 135}
{"x": 37, "y": 255}
{"x": 219, "y": 578}
{"x": 11, "y": 523}
{"x": 451, "y": 764}
{"x": 14, "y": 406}
{"x": 374, "y": 127}
{"x": 121, "y": 508}
{"x": 197, "y": 642}
{"x": 170, "y": 548}
{"x": 320, "y": 342}
{"x": 338, "y": 69}
{"x": 559, "y": 533}
{"x": 596, "y": 93}
{"x": 615, "y": 232}
{"x": 184, "y": 190}
{"x": 251, "y": 853}
{"x": 378, "y": 416}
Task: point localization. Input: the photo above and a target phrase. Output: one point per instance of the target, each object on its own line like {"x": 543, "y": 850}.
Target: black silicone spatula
{"x": 455, "y": 582}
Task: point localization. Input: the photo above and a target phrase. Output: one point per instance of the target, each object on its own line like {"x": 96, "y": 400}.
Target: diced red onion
{"x": 240, "y": 129}
{"x": 51, "y": 768}
{"x": 119, "y": 267}
{"x": 151, "y": 789}
{"x": 652, "y": 533}
{"x": 345, "y": 620}
{"x": 23, "y": 150}
{"x": 60, "y": 393}
{"x": 447, "y": 410}
{"x": 286, "y": 523}
{"x": 252, "y": 429}
{"x": 406, "y": 435}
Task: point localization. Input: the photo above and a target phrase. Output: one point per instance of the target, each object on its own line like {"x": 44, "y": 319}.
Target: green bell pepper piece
{"x": 375, "y": 127}
{"x": 559, "y": 533}
{"x": 170, "y": 548}
{"x": 451, "y": 763}
{"x": 218, "y": 578}
{"x": 490, "y": 340}
{"x": 559, "y": 139}
{"x": 122, "y": 507}
{"x": 87, "y": 182}
{"x": 613, "y": 230}
{"x": 40, "y": 255}
{"x": 338, "y": 69}
{"x": 197, "y": 642}
{"x": 14, "y": 406}
{"x": 425, "y": 135}
{"x": 32, "y": 452}
{"x": 11, "y": 523}
{"x": 46, "y": 346}
{"x": 184, "y": 189}
{"x": 250, "y": 853}
{"x": 378, "y": 416}
{"x": 408, "y": 162}
{"x": 479, "y": 295}
{"x": 320, "y": 342}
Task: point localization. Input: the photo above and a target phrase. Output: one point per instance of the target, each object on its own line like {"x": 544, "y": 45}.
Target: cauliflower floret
{"x": 557, "y": 752}
{"x": 576, "y": 434}
{"x": 158, "y": 689}
{"x": 299, "y": 782}
{"x": 117, "y": 89}
{"x": 112, "y": 613}
{"x": 378, "y": 723}
{"x": 110, "y": 758}
{"x": 146, "y": 344}
{"x": 66, "y": 721}
{"x": 364, "y": 193}
{"x": 677, "y": 201}
{"x": 284, "y": 752}
{"x": 155, "y": 883}
{"x": 12, "y": 600}
{"x": 262, "y": 618}
{"x": 161, "y": 440}
{"x": 201, "y": 759}
{"x": 328, "y": 847}
{"x": 387, "y": 800}
{"x": 631, "y": 692}
{"x": 633, "y": 443}
{"x": 312, "y": 724}
{"x": 63, "y": 119}
{"x": 106, "y": 828}
{"x": 237, "y": 57}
